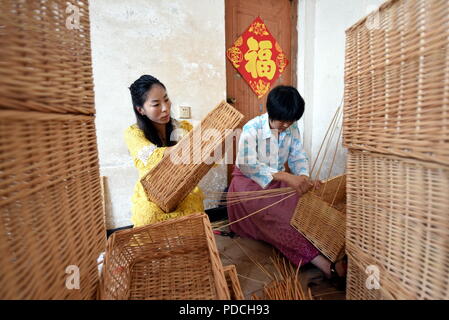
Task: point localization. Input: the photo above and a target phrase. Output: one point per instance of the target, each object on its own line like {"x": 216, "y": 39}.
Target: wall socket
{"x": 184, "y": 112}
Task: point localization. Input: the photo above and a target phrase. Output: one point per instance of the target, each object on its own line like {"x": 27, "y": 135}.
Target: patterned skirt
{"x": 271, "y": 225}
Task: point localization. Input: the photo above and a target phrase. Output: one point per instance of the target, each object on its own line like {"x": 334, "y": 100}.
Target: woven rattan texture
{"x": 45, "y": 65}
{"x": 358, "y": 284}
{"x": 170, "y": 260}
{"x": 235, "y": 290}
{"x": 398, "y": 220}
{"x": 50, "y": 203}
{"x": 320, "y": 222}
{"x": 397, "y": 81}
{"x": 168, "y": 183}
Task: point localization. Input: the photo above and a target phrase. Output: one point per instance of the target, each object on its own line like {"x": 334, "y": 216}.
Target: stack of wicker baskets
{"x": 52, "y": 227}
{"x": 50, "y": 200}
{"x": 396, "y": 125}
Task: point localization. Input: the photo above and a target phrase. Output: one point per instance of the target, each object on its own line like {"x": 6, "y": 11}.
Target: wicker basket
{"x": 51, "y": 217}
{"x": 396, "y": 81}
{"x": 398, "y": 220}
{"x": 50, "y": 203}
{"x": 167, "y": 184}
{"x": 320, "y": 222}
{"x": 45, "y": 54}
{"x": 233, "y": 282}
{"x": 174, "y": 259}
{"x": 356, "y": 283}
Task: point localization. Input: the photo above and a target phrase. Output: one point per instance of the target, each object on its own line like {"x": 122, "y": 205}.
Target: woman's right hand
{"x": 301, "y": 184}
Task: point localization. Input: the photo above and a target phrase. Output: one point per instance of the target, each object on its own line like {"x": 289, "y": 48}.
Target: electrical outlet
{"x": 184, "y": 112}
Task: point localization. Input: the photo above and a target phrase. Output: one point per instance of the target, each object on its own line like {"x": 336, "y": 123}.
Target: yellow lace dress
{"x": 145, "y": 156}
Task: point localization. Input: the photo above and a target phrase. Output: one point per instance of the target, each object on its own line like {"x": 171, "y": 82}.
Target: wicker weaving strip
{"x": 322, "y": 224}
{"x": 167, "y": 184}
{"x": 397, "y": 81}
{"x": 232, "y": 279}
{"x": 44, "y": 65}
{"x": 174, "y": 259}
{"x": 50, "y": 203}
{"x": 398, "y": 220}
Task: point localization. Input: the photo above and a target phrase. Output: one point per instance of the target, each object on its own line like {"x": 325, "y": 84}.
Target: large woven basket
{"x": 173, "y": 259}
{"x": 396, "y": 81}
{"x": 398, "y": 221}
{"x": 359, "y": 286}
{"x": 45, "y": 62}
{"x": 168, "y": 183}
{"x": 322, "y": 223}
{"x": 235, "y": 290}
{"x": 51, "y": 214}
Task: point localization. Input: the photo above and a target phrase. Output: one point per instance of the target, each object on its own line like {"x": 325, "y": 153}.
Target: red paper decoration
{"x": 258, "y": 57}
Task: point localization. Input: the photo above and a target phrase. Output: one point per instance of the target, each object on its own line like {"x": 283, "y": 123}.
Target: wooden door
{"x": 280, "y": 17}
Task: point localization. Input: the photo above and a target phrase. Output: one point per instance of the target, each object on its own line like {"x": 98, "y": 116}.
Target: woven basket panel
{"x": 356, "y": 288}
{"x": 167, "y": 184}
{"x": 45, "y": 66}
{"x": 233, "y": 282}
{"x": 170, "y": 260}
{"x": 397, "y": 81}
{"x": 322, "y": 224}
{"x": 50, "y": 203}
{"x": 398, "y": 220}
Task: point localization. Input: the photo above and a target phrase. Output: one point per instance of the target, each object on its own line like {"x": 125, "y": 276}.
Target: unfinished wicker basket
{"x": 398, "y": 220}
{"x": 235, "y": 290}
{"x": 396, "y": 81}
{"x": 45, "y": 54}
{"x": 51, "y": 215}
{"x": 173, "y": 259}
{"x": 167, "y": 184}
{"x": 320, "y": 217}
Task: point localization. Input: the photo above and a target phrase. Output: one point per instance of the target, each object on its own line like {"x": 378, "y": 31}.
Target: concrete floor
{"x": 241, "y": 252}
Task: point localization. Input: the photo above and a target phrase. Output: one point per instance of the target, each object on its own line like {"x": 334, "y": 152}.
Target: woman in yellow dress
{"x": 148, "y": 141}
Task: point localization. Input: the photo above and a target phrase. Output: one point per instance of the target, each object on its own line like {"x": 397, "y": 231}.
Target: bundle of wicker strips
{"x": 320, "y": 214}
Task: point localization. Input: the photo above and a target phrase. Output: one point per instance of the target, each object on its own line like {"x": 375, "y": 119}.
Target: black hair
{"x": 284, "y": 103}
{"x": 139, "y": 93}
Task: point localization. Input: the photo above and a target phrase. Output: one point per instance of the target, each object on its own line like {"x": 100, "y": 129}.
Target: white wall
{"x": 181, "y": 42}
{"x": 321, "y": 32}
